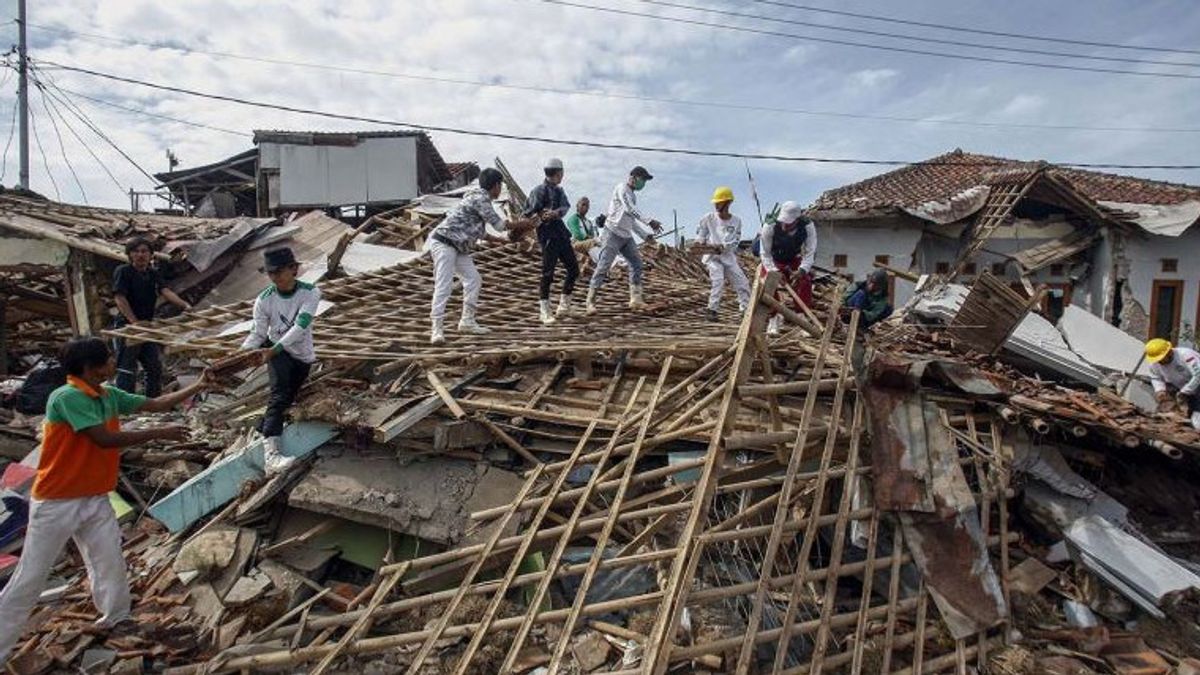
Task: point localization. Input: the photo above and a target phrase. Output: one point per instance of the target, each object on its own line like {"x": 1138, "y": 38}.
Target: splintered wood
{"x": 708, "y": 505}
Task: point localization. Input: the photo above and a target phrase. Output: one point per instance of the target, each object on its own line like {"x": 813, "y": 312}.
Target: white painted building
{"x": 1121, "y": 247}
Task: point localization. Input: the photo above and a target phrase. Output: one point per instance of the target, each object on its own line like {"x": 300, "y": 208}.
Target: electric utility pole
{"x": 23, "y": 94}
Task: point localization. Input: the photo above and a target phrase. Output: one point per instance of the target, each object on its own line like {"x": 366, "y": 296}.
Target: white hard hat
{"x": 789, "y": 212}
{"x": 553, "y": 164}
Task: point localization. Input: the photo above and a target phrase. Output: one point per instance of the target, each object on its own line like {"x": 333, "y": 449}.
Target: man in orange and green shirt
{"x": 77, "y": 468}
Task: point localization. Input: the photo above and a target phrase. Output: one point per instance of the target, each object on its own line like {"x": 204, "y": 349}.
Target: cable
{"x": 147, "y": 113}
{"x": 606, "y": 94}
{"x": 977, "y": 31}
{"x": 865, "y": 45}
{"x": 45, "y": 162}
{"x": 82, "y": 116}
{"x": 569, "y": 142}
{"x": 51, "y": 98}
{"x": 12, "y": 130}
{"x": 62, "y": 148}
{"x": 901, "y": 36}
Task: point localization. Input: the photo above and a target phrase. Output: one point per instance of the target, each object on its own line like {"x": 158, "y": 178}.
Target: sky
{"x": 753, "y": 85}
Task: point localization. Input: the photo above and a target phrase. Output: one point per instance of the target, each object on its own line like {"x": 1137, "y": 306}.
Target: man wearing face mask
{"x": 624, "y": 219}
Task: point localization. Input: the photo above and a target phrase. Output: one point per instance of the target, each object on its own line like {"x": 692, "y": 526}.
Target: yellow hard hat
{"x": 1156, "y": 350}
{"x": 722, "y": 194}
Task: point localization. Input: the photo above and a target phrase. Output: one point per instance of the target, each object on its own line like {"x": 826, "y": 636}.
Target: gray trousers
{"x": 612, "y": 246}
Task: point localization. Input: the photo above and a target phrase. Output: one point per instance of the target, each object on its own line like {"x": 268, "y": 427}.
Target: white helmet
{"x": 553, "y": 164}
{"x": 789, "y": 212}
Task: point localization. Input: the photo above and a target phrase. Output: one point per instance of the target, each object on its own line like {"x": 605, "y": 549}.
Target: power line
{"x": 51, "y": 97}
{"x": 82, "y": 116}
{"x": 585, "y": 92}
{"x": 45, "y": 162}
{"x": 12, "y": 128}
{"x": 564, "y": 141}
{"x": 866, "y": 45}
{"x": 901, "y": 36}
{"x": 62, "y": 147}
{"x": 160, "y": 116}
{"x": 976, "y": 31}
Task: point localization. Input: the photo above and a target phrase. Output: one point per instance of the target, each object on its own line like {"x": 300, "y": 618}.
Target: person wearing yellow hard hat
{"x": 718, "y": 236}
{"x": 1175, "y": 370}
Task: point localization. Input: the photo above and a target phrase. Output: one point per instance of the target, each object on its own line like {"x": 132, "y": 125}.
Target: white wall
{"x": 1145, "y": 255}
{"x": 861, "y": 244}
{"x": 375, "y": 170}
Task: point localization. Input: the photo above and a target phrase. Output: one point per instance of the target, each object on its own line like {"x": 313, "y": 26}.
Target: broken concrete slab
{"x": 248, "y": 589}
{"x": 205, "y": 555}
{"x": 287, "y": 580}
{"x": 221, "y": 482}
{"x": 247, "y": 542}
{"x": 97, "y": 660}
{"x": 1101, "y": 343}
{"x": 429, "y": 497}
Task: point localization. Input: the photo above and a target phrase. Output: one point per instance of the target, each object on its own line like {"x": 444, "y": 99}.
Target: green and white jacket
{"x": 284, "y": 321}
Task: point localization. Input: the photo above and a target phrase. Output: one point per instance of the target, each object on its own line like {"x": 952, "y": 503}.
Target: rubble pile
{"x": 642, "y": 492}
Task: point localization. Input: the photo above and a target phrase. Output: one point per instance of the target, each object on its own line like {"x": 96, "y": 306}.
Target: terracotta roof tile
{"x": 947, "y": 175}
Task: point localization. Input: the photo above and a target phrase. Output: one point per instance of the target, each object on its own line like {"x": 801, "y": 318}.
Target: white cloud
{"x": 874, "y": 77}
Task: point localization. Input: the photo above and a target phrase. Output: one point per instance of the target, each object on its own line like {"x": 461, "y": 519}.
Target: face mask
{"x": 639, "y": 183}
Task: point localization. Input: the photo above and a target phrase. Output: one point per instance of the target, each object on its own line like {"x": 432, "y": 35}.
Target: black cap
{"x": 641, "y": 172}
{"x": 278, "y": 258}
{"x": 490, "y": 178}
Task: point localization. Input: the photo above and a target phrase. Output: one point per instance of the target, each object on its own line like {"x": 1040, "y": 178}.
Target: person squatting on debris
{"x": 789, "y": 246}
{"x": 549, "y": 202}
{"x": 720, "y": 231}
{"x": 624, "y": 219}
{"x": 450, "y": 245}
{"x": 77, "y": 468}
{"x": 1175, "y": 370}
{"x": 137, "y": 286}
{"x": 282, "y": 335}
{"x": 583, "y": 230}
{"x": 870, "y": 298}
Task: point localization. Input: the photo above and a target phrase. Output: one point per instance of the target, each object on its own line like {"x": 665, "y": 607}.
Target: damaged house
{"x": 1116, "y": 246}
{"x": 295, "y": 170}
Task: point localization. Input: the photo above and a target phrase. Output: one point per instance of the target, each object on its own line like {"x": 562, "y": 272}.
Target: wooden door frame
{"x": 1179, "y": 287}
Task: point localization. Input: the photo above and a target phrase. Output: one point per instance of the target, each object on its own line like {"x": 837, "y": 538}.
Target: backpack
{"x": 42, "y": 379}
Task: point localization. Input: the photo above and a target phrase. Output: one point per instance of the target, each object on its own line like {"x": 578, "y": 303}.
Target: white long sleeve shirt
{"x": 724, "y": 233}
{"x": 624, "y": 218}
{"x": 285, "y": 321}
{"x": 809, "y": 251}
{"x": 1182, "y": 373}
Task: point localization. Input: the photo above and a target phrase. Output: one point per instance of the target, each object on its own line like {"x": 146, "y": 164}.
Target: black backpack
{"x": 42, "y": 379}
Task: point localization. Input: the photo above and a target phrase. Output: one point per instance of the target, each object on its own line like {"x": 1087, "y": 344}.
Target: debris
{"x": 590, "y": 651}
{"x": 1030, "y": 576}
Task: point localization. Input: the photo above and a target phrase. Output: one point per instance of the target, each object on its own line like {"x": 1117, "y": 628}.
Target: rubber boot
{"x": 544, "y": 313}
{"x": 437, "y": 334}
{"x": 635, "y": 297}
{"x": 564, "y": 306}
{"x": 774, "y": 325}
{"x": 275, "y": 462}
{"x": 590, "y": 307}
{"x": 467, "y": 323}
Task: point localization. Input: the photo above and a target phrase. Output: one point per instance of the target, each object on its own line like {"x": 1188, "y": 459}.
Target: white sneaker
{"x": 564, "y": 306}
{"x": 774, "y": 325}
{"x": 469, "y": 326}
{"x": 437, "y": 335}
{"x": 544, "y": 313}
{"x": 275, "y": 462}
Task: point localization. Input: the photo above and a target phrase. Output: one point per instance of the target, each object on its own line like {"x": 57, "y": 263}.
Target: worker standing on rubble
{"x": 1175, "y": 369}
{"x": 623, "y": 220}
{"x": 282, "y": 336}
{"x": 450, "y": 245}
{"x": 719, "y": 233}
{"x": 137, "y": 286}
{"x": 77, "y": 468}
{"x": 549, "y": 202}
{"x": 870, "y": 298}
{"x": 789, "y": 246}
{"x": 582, "y": 228}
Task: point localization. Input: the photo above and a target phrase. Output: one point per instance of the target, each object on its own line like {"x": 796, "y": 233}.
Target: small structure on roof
{"x": 1103, "y": 242}
{"x": 290, "y": 170}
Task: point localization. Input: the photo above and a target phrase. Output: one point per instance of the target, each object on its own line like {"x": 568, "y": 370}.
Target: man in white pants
{"x": 720, "y": 231}
{"x": 77, "y": 468}
{"x": 450, "y": 245}
{"x": 624, "y": 219}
